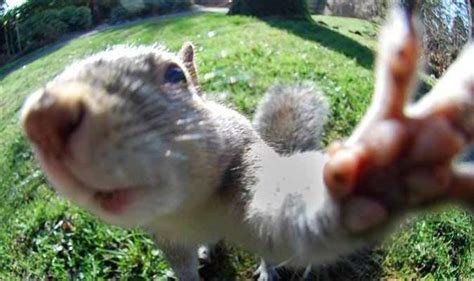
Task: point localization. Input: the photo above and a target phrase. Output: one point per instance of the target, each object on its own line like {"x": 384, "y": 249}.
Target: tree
{"x": 2, "y": 7}
{"x": 101, "y": 9}
{"x": 471, "y": 10}
{"x": 294, "y": 9}
{"x": 317, "y": 6}
{"x": 448, "y": 27}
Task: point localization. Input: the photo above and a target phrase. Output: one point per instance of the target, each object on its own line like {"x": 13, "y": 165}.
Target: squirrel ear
{"x": 186, "y": 54}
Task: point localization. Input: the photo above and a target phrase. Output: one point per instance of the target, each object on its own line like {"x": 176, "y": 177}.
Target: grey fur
{"x": 202, "y": 170}
{"x": 291, "y": 118}
{"x": 197, "y": 171}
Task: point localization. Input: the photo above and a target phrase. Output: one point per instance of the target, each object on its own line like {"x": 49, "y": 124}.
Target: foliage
{"x": 131, "y": 9}
{"x": 30, "y": 7}
{"x": 2, "y": 7}
{"x": 119, "y": 13}
{"x": 49, "y": 25}
{"x": 294, "y": 9}
{"x": 24, "y": 27}
{"x": 42, "y": 28}
{"x": 448, "y": 28}
{"x": 167, "y": 6}
{"x": 77, "y": 18}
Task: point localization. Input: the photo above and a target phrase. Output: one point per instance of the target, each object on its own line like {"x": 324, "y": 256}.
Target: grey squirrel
{"x": 128, "y": 135}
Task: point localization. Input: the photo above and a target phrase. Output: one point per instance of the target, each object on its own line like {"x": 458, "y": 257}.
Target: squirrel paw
{"x": 266, "y": 272}
{"x": 399, "y": 157}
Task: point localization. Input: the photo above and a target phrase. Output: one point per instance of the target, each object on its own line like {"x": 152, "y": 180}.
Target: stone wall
{"x": 366, "y": 9}
{"x": 214, "y": 3}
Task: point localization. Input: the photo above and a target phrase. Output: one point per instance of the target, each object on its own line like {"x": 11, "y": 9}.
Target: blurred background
{"x": 31, "y": 24}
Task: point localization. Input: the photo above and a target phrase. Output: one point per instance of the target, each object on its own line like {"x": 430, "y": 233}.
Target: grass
{"x": 43, "y": 236}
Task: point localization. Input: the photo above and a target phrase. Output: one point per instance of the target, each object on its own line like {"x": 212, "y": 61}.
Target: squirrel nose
{"x": 50, "y": 118}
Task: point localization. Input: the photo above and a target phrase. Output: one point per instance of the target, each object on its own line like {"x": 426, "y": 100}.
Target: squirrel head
{"x": 125, "y": 134}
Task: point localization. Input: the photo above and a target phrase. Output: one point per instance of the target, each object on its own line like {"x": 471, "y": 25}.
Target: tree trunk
{"x": 293, "y": 9}
{"x": 317, "y": 6}
{"x": 18, "y": 37}
{"x": 448, "y": 28}
{"x": 7, "y": 43}
{"x": 97, "y": 16}
{"x": 471, "y": 11}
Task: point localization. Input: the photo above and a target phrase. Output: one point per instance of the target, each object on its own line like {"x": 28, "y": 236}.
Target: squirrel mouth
{"x": 114, "y": 201}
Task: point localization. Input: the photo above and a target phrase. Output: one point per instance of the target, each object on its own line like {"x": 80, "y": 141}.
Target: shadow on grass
{"x": 221, "y": 267}
{"x": 328, "y": 38}
{"x": 363, "y": 265}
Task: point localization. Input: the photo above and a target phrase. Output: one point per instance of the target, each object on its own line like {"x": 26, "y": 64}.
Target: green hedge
{"x": 49, "y": 25}
{"x": 77, "y": 18}
{"x": 42, "y": 28}
{"x": 292, "y": 9}
{"x": 132, "y": 9}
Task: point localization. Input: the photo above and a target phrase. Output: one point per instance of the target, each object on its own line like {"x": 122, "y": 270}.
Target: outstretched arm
{"x": 314, "y": 207}
{"x": 401, "y": 157}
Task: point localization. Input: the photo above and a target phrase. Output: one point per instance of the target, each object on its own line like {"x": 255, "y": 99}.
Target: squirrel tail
{"x": 291, "y": 118}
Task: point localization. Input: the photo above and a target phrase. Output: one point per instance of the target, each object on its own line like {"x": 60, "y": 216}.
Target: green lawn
{"x": 42, "y": 235}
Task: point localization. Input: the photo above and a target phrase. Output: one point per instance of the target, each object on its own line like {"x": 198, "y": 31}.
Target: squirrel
{"x": 128, "y": 135}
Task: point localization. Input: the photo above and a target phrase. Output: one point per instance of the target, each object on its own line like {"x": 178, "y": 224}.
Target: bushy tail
{"x": 291, "y": 118}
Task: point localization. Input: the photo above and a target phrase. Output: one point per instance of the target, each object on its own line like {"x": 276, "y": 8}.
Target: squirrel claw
{"x": 342, "y": 170}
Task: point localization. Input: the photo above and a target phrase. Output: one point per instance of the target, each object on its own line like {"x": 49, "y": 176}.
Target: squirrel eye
{"x": 174, "y": 74}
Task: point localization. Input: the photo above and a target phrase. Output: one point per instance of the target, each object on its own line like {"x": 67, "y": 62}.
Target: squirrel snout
{"x": 50, "y": 117}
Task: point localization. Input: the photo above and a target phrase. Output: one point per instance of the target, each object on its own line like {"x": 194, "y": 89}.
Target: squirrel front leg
{"x": 183, "y": 259}
{"x": 400, "y": 159}
{"x": 315, "y": 207}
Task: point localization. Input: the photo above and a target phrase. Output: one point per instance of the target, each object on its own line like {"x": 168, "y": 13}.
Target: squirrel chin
{"x": 113, "y": 201}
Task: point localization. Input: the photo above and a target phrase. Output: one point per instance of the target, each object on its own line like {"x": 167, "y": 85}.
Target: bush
{"x": 128, "y": 9}
{"x": 292, "y": 9}
{"x": 42, "y": 28}
{"x": 77, "y": 18}
{"x": 131, "y": 9}
{"x": 167, "y": 6}
{"x": 119, "y": 13}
